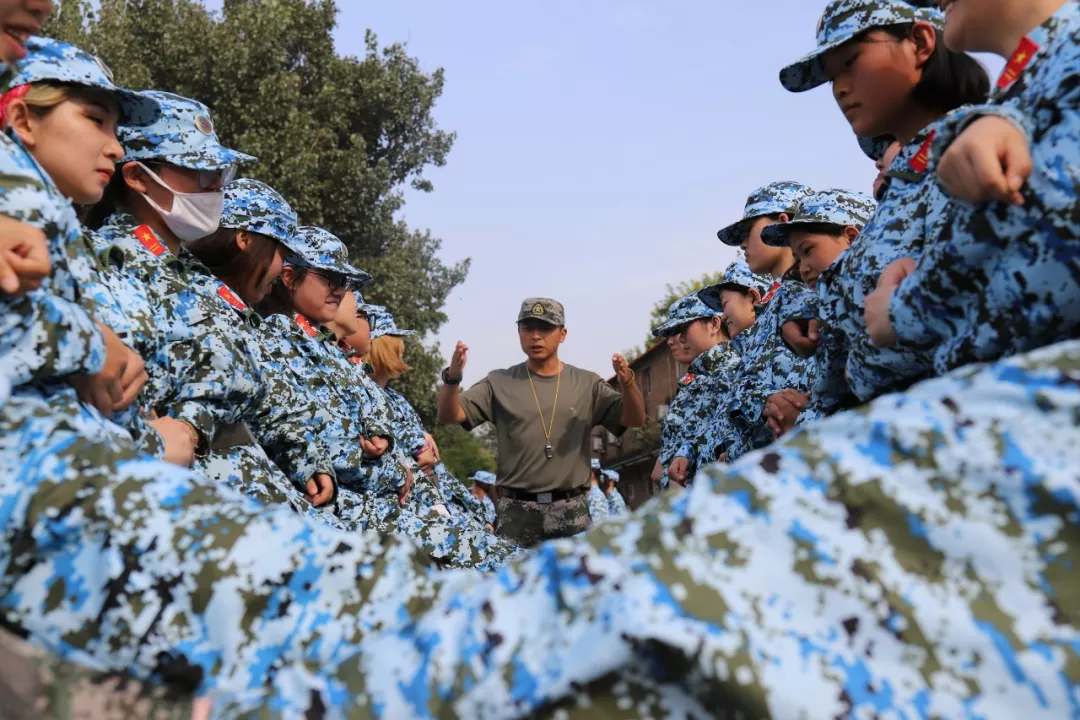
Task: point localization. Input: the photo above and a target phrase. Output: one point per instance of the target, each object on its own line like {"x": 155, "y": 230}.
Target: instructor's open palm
{"x": 457, "y": 362}
{"x": 622, "y": 370}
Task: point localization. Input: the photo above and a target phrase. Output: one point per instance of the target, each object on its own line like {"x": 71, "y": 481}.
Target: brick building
{"x": 634, "y": 454}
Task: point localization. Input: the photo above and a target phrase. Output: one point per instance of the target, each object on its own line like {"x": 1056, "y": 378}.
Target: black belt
{"x": 544, "y": 498}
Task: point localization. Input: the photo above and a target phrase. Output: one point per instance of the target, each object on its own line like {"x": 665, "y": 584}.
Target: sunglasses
{"x": 209, "y": 178}
{"x": 336, "y": 281}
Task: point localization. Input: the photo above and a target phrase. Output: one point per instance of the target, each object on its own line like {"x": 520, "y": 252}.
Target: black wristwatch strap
{"x": 447, "y": 380}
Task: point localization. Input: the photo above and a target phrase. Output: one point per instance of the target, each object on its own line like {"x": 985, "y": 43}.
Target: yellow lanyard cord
{"x": 548, "y": 427}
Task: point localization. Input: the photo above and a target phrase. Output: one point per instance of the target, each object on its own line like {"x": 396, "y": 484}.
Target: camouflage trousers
{"x": 528, "y": 523}
{"x": 915, "y": 557}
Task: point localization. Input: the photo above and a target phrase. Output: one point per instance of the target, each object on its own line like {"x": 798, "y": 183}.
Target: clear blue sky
{"x": 600, "y": 146}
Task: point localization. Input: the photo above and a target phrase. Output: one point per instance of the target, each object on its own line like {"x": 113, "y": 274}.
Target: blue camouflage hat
{"x": 875, "y": 148}
{"x": 256, "y": 207}
{"x": 610, "y": 475}
{"x": 830, "y": 207}
{"x": 365, "y": 308}
{"x": 594, "y": 463}
{"x": 683, "y": 311}
{"x": 844, "y": 20}
{"x": 52, "y": 60}
{"x": 777, "y": 197}
{"x": 183, "y": 136}
{"x": 382, "y": 323}
{"x": 484, "y": 476}
{"x": 319, "y": 249}
{"x": 736, "y": 275}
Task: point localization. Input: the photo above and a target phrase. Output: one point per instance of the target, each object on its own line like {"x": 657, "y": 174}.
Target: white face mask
{"x": 193, "y": 215}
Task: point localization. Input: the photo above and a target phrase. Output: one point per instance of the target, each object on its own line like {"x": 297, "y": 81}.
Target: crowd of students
{"x": 207, "y": 485}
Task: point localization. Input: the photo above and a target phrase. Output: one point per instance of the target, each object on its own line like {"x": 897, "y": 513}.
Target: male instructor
{"x": 543, "y": 411}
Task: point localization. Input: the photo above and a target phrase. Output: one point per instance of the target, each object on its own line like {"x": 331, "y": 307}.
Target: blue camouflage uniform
{"x": 616, "y": 504}
{"x": 465, "y": 514}
{"x": 491, "y": 515}
{"x": 708, "y": 378}
{"x": 849, "y": 367}
{"x": 1001, "y": 279}
{"x": 727, "y": 431}
{"x": 598, "y": 504}
{"x": 767, "y": 364}
{"x": 836, "y": 208}
{"x": 358, "y": 407}
{"x": 208, "y": 360}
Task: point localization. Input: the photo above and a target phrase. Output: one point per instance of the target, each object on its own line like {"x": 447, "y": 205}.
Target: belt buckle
{"x": 543, "y": 498}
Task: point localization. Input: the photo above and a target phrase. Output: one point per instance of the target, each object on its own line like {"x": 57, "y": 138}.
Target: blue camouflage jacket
{"x": 1001, "y": 279}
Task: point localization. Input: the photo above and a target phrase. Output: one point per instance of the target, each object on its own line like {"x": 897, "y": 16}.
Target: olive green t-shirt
{"x": 505, "y": 399}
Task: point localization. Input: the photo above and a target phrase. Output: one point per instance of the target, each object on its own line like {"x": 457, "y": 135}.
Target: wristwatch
{"x": 447, "y": 380}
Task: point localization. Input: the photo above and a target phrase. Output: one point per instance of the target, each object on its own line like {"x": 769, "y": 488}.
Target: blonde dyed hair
{"x": 387, "y": 356}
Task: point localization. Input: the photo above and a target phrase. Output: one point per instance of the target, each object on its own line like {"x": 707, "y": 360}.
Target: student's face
{"x": 540, "y": 340}
{"x": 873, "y": 79}
{"x": 977, "y": 25}
{"x": 360, "y": 341}
{"x": 704, "y": 335}
{"x": 761, "y": 257}
{"x": 75, "y": 142}
{"x": 679, "y": 349}
{"x": 883, "y": 166}
{"x": 19, "y": 19}
{"x": 739, "y": 311}
{"x": 816, "y": 251}
{"x": 256, "y": 290}
{"x": 312, "y": 296}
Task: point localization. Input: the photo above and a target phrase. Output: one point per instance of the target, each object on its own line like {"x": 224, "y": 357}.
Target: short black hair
{"x": 822, "y": 228}
{"x": 949, "y": 79}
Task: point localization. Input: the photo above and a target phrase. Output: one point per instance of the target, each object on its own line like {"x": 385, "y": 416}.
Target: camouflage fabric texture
{"x": 529, "y": 523}
{"x": 771, "y": 199}
{"x": 912, "y": 211}
{"x": 843, "y": 20}
{"x": 768, "y": 366}
{"x": 693, "y": 411}
{"x": 682, "y": 312}
{"x": 320, "y": 249}
{"x": 50, "y": 60}
{"x": 183, "y": 135}
{"x": 598, "y": 504}
{"x": 382, "y": 322}
{"x": 839, "y": 208}
{"x": 1002, "y": 279}
{"x": 737, "y": 274}
{"x": 616, "y": 504}
{"x": 545, "y": 309}
{"x": 256, "y": 207}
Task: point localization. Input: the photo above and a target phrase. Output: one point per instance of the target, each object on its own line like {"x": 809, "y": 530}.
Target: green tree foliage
{"x": 463, "y": 452}
{"x": 340, "y": 137}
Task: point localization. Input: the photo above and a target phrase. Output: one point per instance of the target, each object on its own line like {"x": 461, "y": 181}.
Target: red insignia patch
{"x": 149, "y": 240}
{"x": 922, "y": 158}
{"x": 772, "y": 291}
{"x": 227, "y": 295}
{"x": 688, "y": 378}
{"x": 305, "y": 325}
{"x": 1017, "y": 63}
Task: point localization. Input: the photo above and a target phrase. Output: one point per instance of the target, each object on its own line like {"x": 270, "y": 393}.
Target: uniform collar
{"x": 709, "y": 361}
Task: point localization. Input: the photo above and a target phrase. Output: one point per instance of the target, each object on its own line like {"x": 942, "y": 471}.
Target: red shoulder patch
{"x": 772, "y": 292}
{"x": 688, "y": 378}
{"x": 228, "y": 296}
{"x": 1017, "y": 63}
{"x": 150, "y": 241}
{"x": 921, "y": 159}
{"x": 305, "y": 325}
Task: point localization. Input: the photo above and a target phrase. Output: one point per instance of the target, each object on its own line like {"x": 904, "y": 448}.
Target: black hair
{"x": 279, "y": 300}
{"x": 223, "y": 256}
{"x": 949, "y": 79}
{"x": 822, "y": 228}
{"x": 94, "y": 216}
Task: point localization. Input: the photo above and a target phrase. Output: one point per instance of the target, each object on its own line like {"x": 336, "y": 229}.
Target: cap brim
{"x": 777, "y": 235}
{"x": 137, "y": 110}
{"x": 807, "y": 73}
{"x": 711, "y": 297}
{"x": 538, "y": 319}
{"x": 211, "y": 158}
{"x": 733, "y": 235}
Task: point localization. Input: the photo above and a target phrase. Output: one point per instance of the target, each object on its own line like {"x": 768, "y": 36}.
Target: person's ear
{"x": 784, "y": 217}
{"x": 924, "y": 38}
{"x": 135, "y": 177}
{"x": 850, "y": 234}
{"x": 243, "y": 240}
{"x": 562, "y": 335}
{"x": 288, "y": 278}
{"x": 21, "y": 121}
{"x": 755, "y": 296}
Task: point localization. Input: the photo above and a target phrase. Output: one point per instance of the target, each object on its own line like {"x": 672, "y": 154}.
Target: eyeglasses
{"x": 209, "y": 178}
{"x": 336, "y": 281}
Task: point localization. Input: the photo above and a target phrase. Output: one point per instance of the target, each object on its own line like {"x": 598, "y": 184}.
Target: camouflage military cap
{"x": 382, "y": 323}
{"x": 875, "y": 148}
{"x": 543, "y": 309}
{"x": 610, "y": 475}
{"x": 595, "y": 463}
{"x": 483, "y": 476}
{"x": 319, "y": 249}
{"x": 777, "y": 197}
{"x": 844, "y": 20}
{"x": 736, "y": 275}
{"x": 183, "y": 136}
{"x": 52, "y": 60}
{"x": 682, "y": 311}
{"x": 830, "y": 207}
{"x": 256, "y": 207}
{"x": 363, "y": 307}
